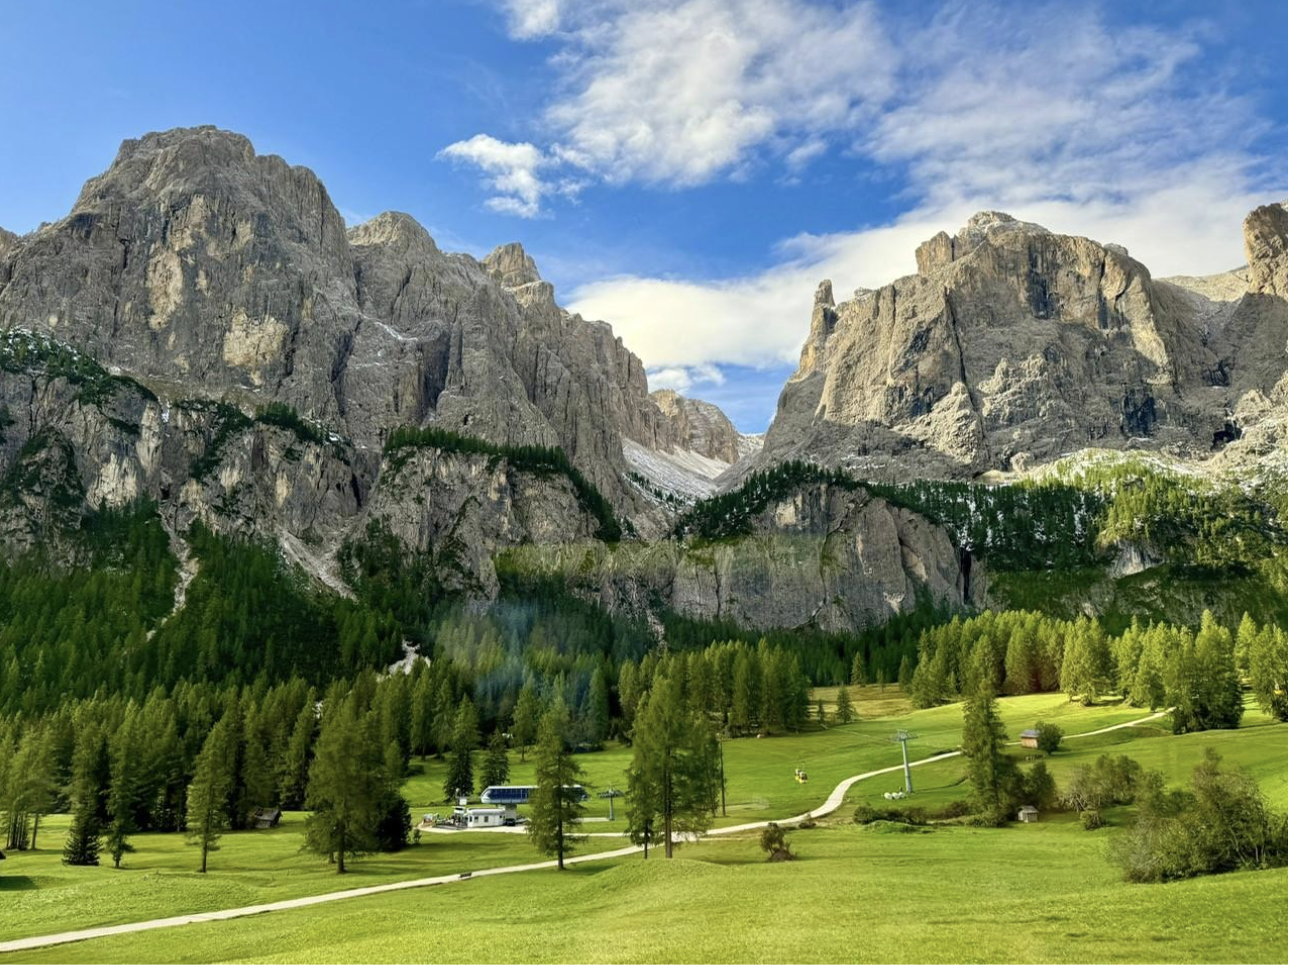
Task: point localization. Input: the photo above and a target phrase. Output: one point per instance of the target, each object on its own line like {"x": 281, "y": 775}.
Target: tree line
{"x": 1198, "y": 673}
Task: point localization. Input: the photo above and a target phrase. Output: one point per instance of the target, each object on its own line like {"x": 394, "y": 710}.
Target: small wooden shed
{"x": 266, "y": 817}
{"x": 1030, "y": 738}
{"x": 1028, "y": 814}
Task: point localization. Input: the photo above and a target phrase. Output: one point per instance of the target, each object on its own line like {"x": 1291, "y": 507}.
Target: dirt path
{"x": 831, "y": 803}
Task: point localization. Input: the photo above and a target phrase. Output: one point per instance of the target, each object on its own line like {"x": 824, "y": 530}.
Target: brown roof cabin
{"x": 266, "y": 817}
{"x": 1028, "y": 814}
{"x": 1029, "y": 738}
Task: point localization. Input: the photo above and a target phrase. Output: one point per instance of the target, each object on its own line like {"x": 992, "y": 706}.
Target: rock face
{"x": 824, "y": 557}
{"x": 210, "y": 271}
{"x": 1014, "y": 345}
{"x": 202, "y": 330}
{"x": 697, "y": 445}
{"x": 703, "y": 428}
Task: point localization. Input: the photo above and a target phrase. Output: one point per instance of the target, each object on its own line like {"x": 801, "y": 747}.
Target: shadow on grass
{"x": 17, "y": 883}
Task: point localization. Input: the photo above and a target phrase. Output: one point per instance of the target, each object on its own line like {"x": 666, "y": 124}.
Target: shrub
{"x": 957, "y": 809}
{"x": 1050, "y": 736}
{"x": 866, "y": 814}
{"x": 1039, "y": 789}
{"x": 773, "y": 842}
{"x": 1224, "y": 825}
{"x": 1091, "y": 820}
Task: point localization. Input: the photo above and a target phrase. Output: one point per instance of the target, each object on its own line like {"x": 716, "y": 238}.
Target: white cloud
{"x": 1085, "y": 127}
{"x": 683, "y": 379}
{"x": 529, "y": 19}
{"x": 1104, "y": 135}
{"x": 510, "y": 168}
{"x": 678, "y": 92}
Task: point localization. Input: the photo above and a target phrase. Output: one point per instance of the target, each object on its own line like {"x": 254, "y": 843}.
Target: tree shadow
{"x": 17, "y": 883}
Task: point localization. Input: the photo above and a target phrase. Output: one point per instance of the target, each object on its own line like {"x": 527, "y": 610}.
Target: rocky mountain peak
{"x": 1016, "y": 343}
{"x": 512, "y": 265}
{"x": 1265, "y": 239}
{"x": 942, "y": 249}
{"x": 986, "y": 224}
{"x": 516, "y": 272}
{"x": 395, "y": 230}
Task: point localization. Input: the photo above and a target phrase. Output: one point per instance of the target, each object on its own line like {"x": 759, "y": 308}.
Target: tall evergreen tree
{"x": 555, "y": 806}
{"x": 83, "y": 842}
{"x": 208, "y": 794}
{"x": 294, "y": 772}
{"x": 844, "y": 712}
{"x": 673, "y": 779}
{"x": 1268, "y": 659}
{"x": 525, "y": 718}
{"x": 126, "y": 751}
{"x": 347, "y": 785}
{"x": 858, "y": 669}
{"x": 993, "y": 775}
{"x": 496, "y": 768}
{"x": 466, "y": 739}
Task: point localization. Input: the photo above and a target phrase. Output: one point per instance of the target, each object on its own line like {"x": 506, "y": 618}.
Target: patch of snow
{"x": 683, "y": 472}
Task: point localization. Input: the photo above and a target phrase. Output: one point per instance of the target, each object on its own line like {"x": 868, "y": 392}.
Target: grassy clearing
{"x": 1040, "y": 893}
{"x": 39, "y": 895}
{"x": 760, "y": 771}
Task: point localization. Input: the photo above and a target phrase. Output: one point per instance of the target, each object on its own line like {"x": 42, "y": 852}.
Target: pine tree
{"x": 208, "y": 795}
{"x": 555, "y": 806}
{"x": 1268, "y": 659}
{"x": 82, "y": 846}
{"x": 596, "y": 710}
{"x": 496, "y": 766}
{"x": 844, "y": 712}
{"x": 294, "y": 772}
{"x": 1221, "y": 704}
{"x": 124, "y": 789}
{"x": 673, "y": 779}
{"x": 904, "y": 673}
{"x": 859, "y": 670}
{"x": 347, "y": 785}
{"x": 466, "y": 739}
{"x": 993, "y": 775}
{"x": 526, "y": 717}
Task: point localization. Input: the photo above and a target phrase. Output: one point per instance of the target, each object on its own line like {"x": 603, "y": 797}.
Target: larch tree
{"x": 208, "y": 794}
{"x": 993, "y": 775}
{"x": 844, "y": 712}
{"x": 496, "y": 768}
{"x": 347, "y": 784}
{"x": 555, "y": 804}
{"x": 525, "y": 718}
{"x": 673, "y": 780}
{"x": 466, "y": 739}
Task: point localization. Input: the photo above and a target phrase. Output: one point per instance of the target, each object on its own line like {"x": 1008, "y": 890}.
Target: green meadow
{"x": 948, "y": 894}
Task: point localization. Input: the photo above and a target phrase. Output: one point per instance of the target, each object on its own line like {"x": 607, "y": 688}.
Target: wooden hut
{"x": 1028, "y": 814}
{"x": 1030, "y": 738}
{"x": 266, "y": 818}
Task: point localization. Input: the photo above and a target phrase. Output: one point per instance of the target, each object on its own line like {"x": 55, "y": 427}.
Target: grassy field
{"x": 760, "y": 771}
{"x": 856, "y": 894}
{"x": 1035, "y": 893}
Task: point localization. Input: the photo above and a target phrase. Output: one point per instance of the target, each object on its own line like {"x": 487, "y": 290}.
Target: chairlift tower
{"x": 611, "y": 794}
{"x": 902, "y": 737}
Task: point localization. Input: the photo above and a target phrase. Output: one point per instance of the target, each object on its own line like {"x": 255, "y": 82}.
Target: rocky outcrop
{"x": 209, "y": 271}
{"x": 459, "y": 510}
{"x": 824, "y": 557}
{"x": 703, "y": 428}
{"x": 1265, "y": 239}
{"x": 1014, "y": 345}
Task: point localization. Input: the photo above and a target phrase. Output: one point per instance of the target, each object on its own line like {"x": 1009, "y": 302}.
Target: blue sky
{"x": 689, "y": 169}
